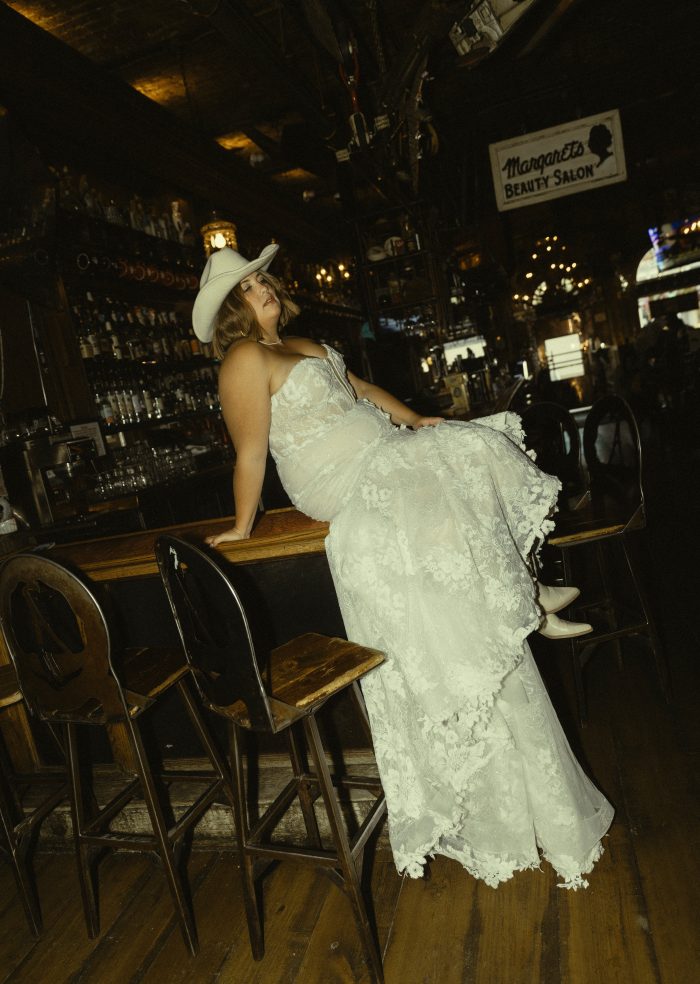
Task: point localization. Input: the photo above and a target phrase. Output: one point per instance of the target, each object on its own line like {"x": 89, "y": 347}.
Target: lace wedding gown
{"x": 429, "y": 535}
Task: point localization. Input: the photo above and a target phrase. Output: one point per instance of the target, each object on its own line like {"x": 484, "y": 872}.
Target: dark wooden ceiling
{"x": 261, "y": 80}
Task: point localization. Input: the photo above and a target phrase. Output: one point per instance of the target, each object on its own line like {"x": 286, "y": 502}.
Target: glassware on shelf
{"x": 141, "y": 467}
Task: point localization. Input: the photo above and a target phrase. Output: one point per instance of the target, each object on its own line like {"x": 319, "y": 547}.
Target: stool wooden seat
{"x": 19, "y": 825}
{"x": 588, "y": 525}
{"x": 283, "y": 696}
{"x": 71, "y": 676}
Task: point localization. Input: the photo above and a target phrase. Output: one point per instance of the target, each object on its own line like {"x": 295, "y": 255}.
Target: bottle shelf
{"x": 402, "y": 257}
{"x": 98, "y": 363}
{"x": 166, "y": 420}
{"x": 321, "y": 307}
{"x": 403, "y": 291}
{"x": 144, "y": 367}
{"x": 108, "y": 257}
{"x": 92, "y": 231}
{"x": 406, "y": 305}
{"x": 134, "y": 290}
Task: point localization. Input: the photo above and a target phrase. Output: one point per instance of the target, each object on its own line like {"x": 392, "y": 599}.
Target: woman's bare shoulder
{"x": 245, "y": 355}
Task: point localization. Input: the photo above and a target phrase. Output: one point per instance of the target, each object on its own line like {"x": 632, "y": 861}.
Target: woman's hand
{"x": 227, "y": 536}
{"x": 426, "y": 422}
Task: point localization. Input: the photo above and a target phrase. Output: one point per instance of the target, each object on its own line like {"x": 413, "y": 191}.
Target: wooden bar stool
{"x": 72, "y": 678}
{"x": 19, "y": 824}
{"x": 299, "y": 678}
{"x": 611, "y": 514}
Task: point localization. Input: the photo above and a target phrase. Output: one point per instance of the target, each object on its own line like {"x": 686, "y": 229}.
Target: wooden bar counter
{"x": 278, "y": 534}
{"x": 284, "y": 580}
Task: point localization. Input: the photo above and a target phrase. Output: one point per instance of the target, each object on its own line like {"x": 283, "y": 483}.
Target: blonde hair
{"x": 236, "y": 319}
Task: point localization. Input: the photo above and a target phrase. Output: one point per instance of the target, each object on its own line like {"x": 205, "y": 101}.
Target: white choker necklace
{"x": 278, "y": 342}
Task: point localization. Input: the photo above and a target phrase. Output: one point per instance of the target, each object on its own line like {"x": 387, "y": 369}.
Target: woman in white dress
{"x": 432, "y": 525}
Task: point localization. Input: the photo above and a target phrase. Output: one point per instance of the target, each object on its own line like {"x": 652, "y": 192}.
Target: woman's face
{"x": 262, "y": 298}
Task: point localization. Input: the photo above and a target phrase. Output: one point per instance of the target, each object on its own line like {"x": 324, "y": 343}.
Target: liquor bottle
{"x": 408, "y": 233}
{"x": 146, "y": 398}
{"x": 135, "y": 399}
{"x": 113, "y": 401}
{"x": 117, "y": 351}
{"x": 105, "y": 336}
{"x": 165, "y": 341}
{"x": 84, "y": 346}
{"x": 93, "y": 340}
{"x": 195, "y": 347}
{"x": 132, "y": 341}
{"x": 180, "y": 402}
{"x": 105, "y": 410}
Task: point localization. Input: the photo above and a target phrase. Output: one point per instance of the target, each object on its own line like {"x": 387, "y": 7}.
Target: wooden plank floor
{"x": 637, "y": 923}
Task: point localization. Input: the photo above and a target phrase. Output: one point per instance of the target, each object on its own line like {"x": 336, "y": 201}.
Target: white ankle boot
{"x": 553, "y": 599}
{"x": 554, "y": 627}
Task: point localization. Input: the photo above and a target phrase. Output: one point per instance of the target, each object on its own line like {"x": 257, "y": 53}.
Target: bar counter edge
{"x": 277, "y": 534}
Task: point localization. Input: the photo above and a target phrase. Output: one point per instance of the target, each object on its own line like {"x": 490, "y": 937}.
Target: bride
{"x": 432, "y": 524}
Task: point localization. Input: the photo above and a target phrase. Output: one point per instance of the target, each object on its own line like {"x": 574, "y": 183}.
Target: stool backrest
{"x": 59, "y": 642}
{"x": 214, "y": 630}
{"x": 551, "y": 431}
{"x": 613, "y": 451}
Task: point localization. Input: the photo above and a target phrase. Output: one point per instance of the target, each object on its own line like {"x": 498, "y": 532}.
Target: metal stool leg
{"x": 17, "y": 846}
{"x": 362, "y": 711}
{"x": 609, "y": 605}
{"x": 165, "y": 848}
{"x": 195, "y": 717}
{"x": 351, "y": 881}
{"x": 83, "y": 851}
{"x": 250, "y": 898}
{"x": 576, "y": 664}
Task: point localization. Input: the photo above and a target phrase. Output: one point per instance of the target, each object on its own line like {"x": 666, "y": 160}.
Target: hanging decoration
{"x": 334, "y": 281}
{"x": 551, "y": 279}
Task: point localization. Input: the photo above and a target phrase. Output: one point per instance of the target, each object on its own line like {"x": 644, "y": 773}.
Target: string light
{"x": 332, "y": 277}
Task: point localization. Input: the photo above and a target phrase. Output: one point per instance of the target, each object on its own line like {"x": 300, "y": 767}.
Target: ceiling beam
{"x": 63, "y": 100}
{"x": 249, "y": 41}
{"x": 560, "y": 9}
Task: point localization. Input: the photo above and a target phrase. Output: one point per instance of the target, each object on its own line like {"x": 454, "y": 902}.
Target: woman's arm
{"x": 244, "y": 391}
{"x": 398, "y": 411}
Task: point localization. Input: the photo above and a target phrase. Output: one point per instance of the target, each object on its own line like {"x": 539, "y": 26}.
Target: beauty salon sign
{"x": 559, "y": 161}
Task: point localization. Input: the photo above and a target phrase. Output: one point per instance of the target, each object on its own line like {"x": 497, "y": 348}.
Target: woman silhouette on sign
{"x": 599, "y": 142}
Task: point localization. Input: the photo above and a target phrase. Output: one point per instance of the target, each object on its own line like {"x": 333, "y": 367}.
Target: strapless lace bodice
{"x": 319, "y": 434}
{"x": 313, "y": 384}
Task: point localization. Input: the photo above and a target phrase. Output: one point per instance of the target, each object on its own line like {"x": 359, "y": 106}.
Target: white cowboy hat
{"x": 223, "y": 271}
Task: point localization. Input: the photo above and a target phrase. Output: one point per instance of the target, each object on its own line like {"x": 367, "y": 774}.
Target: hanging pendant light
{"x": 218, "y": 233}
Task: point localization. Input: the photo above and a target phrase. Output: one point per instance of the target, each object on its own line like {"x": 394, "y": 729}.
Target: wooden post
{"x": 16, "y": 730}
